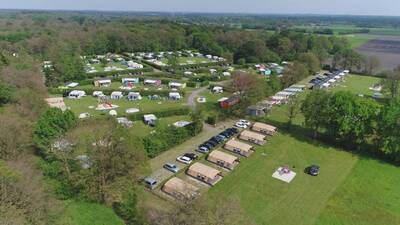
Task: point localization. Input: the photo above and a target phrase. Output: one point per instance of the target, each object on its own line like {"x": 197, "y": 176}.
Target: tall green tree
{"x": 388, "y": 129}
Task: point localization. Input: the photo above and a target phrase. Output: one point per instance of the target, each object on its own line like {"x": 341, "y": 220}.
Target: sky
{"x": 337, "y": 7}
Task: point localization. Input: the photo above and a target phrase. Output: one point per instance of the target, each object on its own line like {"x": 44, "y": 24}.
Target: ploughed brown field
{"x": 387, "y": 49}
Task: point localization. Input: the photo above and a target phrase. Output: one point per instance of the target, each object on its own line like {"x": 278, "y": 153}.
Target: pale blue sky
{"x": 354, "y": 7}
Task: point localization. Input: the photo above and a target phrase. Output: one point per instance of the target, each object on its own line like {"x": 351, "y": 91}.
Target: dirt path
{"x": 191, "y": 102}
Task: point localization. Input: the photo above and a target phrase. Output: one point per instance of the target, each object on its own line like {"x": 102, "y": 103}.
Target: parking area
{"x": 160, "y": 174}
{"x": 224, "y": 147}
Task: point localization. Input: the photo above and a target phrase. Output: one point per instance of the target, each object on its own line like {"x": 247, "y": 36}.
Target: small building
{"x": 102, "y": 83}
{"x": 223, "y": 159}
{"x": 152, "y": 82}
{"x": 204, "y": 173}
{"x": 174, "y": 96}
{"x": 133, "y": 96}
{"x": 239, "y": 147}
{"x": 76, "y": 94}
{"x": 257, "y": 110}
{"x": 264, "y": 128}
{"x": 180, "y": 189}
{"x": 252, "y": 137}
{"x": 117, "y": 95}
{"x": 129, "y": 82}
{"x": 176, "y": 85}
{"x": 150, "y": 119}
{"x": 228, "y": 103}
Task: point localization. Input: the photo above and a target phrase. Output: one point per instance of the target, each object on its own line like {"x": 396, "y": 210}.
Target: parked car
{"x": 213, "y": 143}
{"x": 171, "y": 167}
{"x": 226, "y": 134}
{"x": 150, "y": 183}
{"x": 247, "y": 123}
{"x": 233, "y": 130}
{"x": 191, "y": 156}
{"x": 216, "y": 140}
{"x": 208, "y": 145}
{"x": 222, "y": 137}
{"x": 184, "y": 159}
{"x": 203, "y": 149}
{"x": 312, "y": 170}
{"x": 241, "y": 125}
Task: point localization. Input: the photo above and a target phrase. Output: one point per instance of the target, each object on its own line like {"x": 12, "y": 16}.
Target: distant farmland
{"x": 386, "y": 48}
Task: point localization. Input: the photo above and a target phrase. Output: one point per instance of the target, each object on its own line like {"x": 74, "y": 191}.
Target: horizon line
{"x": 196, "y": 12}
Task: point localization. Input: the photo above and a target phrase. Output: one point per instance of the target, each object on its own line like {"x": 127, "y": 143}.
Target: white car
{"x": 241, "y": 125}
{"x": 184, "y": 159}
{"x": 247, "y": 123}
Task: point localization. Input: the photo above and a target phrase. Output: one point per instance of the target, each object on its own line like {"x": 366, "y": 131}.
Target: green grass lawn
{"x": 357, "y": 84}
{"x": 369, "y": 196}
{"x": 270, "y": 201}
{"x": 186, "y": 60}
{"x": 80, "y": 213}
{"x": 357, "y": 40}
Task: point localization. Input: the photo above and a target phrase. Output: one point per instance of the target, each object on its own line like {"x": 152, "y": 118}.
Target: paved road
{"x": 156, "y": 164}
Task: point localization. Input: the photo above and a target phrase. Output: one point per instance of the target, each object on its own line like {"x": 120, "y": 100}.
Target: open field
{"x": 357, "y": 84}
{"x": 81, "y": 213}
{"x": 387, "y": 49}
{"x": 270, "y": 201}
{"x": 368, "y": 196}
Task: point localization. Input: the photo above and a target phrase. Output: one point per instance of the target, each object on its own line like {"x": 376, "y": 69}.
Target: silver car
{"x": 171, "y": 167}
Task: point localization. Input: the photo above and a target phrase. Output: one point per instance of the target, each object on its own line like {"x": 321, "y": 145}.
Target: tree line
{"x": 353, "y": 122}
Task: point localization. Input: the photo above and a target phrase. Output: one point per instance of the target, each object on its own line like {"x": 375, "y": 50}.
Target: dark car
{"x": 192, "y": 156}
{"x": 212, "y": 143}
{"x": 225, "y": 134}
{"x": 215, "y": 140}
{"x": 234, "y": 130}
{"x": 220, "y": 138}
{"x": 312, "y": 170}
{"x": 208, "y": 145}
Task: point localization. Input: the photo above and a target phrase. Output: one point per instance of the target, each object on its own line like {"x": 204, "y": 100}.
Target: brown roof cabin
{"x": 223, "y": 159}
{"x": 264, "y": 128}
{"x": 252, "y": 137}
{"x": 204, "y": 173}
{"x": 180, "y": 189}
{"x": 239, "y": 147}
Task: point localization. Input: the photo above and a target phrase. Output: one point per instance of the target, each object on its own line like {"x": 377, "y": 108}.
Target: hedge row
{"x": 160, "y": 114}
